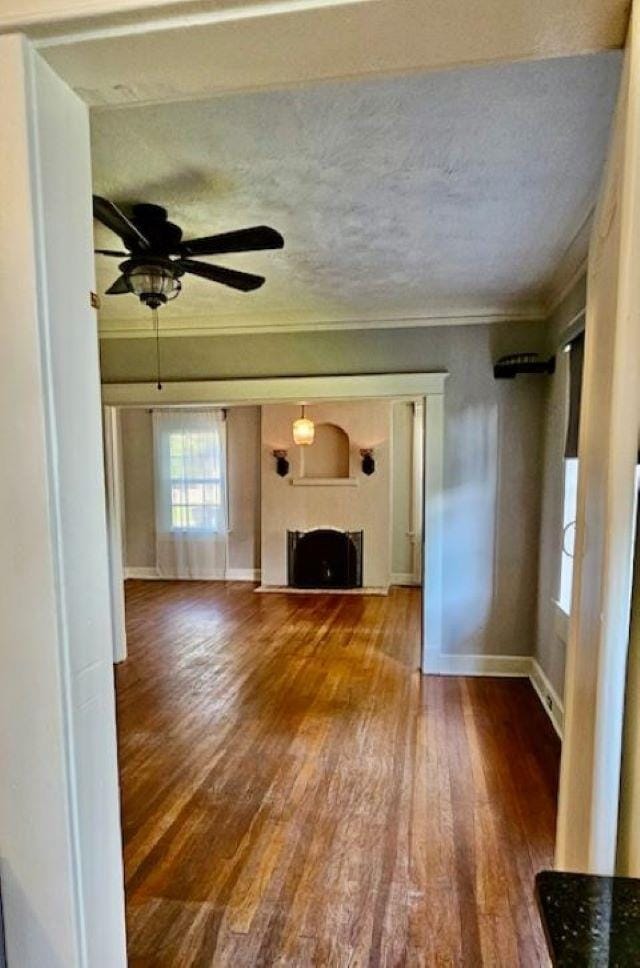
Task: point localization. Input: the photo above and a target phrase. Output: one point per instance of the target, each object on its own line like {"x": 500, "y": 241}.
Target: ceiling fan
{"x": 157, "y": 256}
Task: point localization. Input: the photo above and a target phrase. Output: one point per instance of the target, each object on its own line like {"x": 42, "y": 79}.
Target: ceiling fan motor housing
{"x": 151, "y": 221}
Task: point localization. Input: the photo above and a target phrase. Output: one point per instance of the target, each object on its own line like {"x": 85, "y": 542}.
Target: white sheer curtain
{"x": 190, "y": 493}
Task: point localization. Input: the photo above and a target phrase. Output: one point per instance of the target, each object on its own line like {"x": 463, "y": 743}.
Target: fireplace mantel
{"x": 325, "y": 481}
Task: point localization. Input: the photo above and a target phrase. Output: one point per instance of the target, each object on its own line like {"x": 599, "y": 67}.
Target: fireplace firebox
{"x": 324, "y": 558}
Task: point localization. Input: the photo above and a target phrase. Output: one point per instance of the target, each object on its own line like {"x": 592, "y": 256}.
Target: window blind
{"x": 576, "y": 360}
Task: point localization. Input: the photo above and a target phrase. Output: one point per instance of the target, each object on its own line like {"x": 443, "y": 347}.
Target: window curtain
{"x": 576, "y": 359}
{"x": 190, "y": 493}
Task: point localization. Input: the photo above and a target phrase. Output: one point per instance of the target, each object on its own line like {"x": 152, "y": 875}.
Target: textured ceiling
{"x": 444, "y": 194}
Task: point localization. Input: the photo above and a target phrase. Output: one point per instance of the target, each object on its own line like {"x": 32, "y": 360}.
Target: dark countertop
{"x": 590, "y": 921}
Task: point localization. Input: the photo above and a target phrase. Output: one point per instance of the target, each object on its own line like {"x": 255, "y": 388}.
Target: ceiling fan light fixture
{"x": 304, "y": 430}
{"x": 153, "y": 284}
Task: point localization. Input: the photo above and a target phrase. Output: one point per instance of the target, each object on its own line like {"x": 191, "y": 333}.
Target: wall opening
{"x": 328, "y": 456}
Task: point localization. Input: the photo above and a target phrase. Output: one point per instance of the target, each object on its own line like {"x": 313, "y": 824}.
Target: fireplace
{"x": 324, "y": 558}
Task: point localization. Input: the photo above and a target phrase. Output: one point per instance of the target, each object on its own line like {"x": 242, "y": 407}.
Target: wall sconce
{"x": 368, "y": 463}
{"x": 282, "y": 464}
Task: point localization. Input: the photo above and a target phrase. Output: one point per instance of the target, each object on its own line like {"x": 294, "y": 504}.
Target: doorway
{"x": 81, "y": 704}
{"x": 251, "y": 717}
{"x": 426, "y": 459}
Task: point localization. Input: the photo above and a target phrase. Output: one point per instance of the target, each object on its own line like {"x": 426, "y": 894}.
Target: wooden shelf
{"x": 504, "y": 369}
{"x": 324, "y": 481}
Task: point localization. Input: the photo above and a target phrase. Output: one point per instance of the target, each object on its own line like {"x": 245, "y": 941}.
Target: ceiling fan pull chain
{"x": 156, "y": 324}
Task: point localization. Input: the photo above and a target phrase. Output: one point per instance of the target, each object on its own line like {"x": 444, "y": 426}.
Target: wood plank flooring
{"x": 294, "y": 793}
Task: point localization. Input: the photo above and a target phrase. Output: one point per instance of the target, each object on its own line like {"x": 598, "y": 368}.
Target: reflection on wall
{"x": 470, "y": 500}
{"x": 492, "y": 517}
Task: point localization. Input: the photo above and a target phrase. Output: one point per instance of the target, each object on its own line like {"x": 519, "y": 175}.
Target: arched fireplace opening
{"x": 324, "y": 558}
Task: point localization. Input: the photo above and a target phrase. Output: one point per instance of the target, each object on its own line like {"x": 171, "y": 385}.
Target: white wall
{"x": 402, "y": 546}
{"x": 366, "y": 506}
{"x": 37, "y": 853}
{"x": 59, "y": 812}
{"x": 243, "y": 455}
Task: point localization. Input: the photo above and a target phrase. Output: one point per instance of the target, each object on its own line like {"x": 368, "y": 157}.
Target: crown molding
{"x": 238, "y": 326}
{"x": 573, "y": 264}
{"x": 102, "y": 19}
{"x": 561, "y": 294}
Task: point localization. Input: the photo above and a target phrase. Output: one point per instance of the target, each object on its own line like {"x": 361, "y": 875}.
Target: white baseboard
{"x": 560, "y": 622}
{"x": 404, "y": 578}
{"x": 147, "y": 573}
{"x": 243, "y": 574}
{"x": 288, "y": 590}
{"x": 522, "y": 666}
{"x": 549, "y": 698}
{"x": 232, "y": 574}
{"x": 479, "y": 665}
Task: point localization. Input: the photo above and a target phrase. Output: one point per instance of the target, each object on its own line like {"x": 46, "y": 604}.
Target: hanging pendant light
{"x": 304, "y": 430}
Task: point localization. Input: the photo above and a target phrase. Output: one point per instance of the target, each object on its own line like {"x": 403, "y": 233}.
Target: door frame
{"x": 114, "y": 487}
{"x": 28, "y": 213}
{"x": 429, "y": 387}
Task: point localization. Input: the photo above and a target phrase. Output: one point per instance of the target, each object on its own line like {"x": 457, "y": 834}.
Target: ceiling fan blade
{"x": 244, "y": 281}
{"x": 243, "y": 240}
{"x": 121, "y": 285}
{"x": 110, "y": 215}
{"x": 118, "y": 255}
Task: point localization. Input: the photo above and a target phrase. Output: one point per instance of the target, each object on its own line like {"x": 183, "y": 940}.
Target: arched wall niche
{"x": 328, "y": 455}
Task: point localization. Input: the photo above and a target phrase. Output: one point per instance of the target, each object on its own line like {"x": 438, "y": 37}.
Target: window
{"x": 568, "y": 532}
{"x": 190, "y": 473}
{"x": 574, "y": 351}
{"x": 197, "y": 490}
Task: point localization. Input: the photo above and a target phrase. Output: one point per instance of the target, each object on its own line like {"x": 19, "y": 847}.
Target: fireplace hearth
{"x": 324, "y": 558}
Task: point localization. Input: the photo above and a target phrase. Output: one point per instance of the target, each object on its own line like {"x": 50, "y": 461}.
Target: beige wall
{"x": 597, "y": 647}
{"x": 366, "y": 506}
{"x": 550, "y": 647}
{"x": 493, "y": 449}
{"x": 308, "y": 354}
{"x": 137, "y": 470}
{"x": 243, "y": 449}
{"x": 243, "y": 455}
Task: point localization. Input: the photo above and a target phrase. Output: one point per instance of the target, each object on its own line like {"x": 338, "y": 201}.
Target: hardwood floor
{"x": 295, "y": 793}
